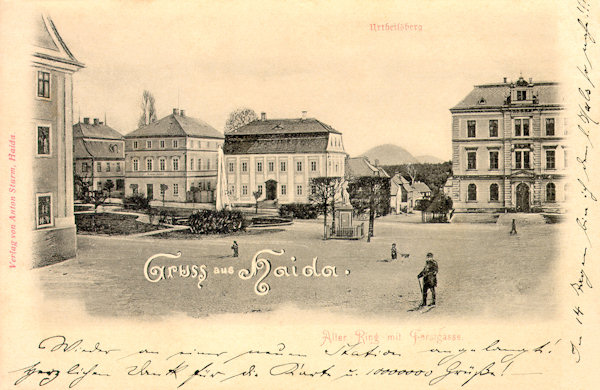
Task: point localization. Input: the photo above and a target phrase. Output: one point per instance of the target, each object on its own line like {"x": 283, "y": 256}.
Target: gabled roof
{"x": 50, "y": 45}
{"x": 361, "y": 167}
{"x": 103, "y": 149}
{"x": 102, "y": 131}
{"x": 177, "y": 125}
{"x": 399, "y": 181}
{"x": 253, "y": 144}
{"x": 284, "y": 126}
{"x": 494, "y": 95}
{"x": 419, "y": 186}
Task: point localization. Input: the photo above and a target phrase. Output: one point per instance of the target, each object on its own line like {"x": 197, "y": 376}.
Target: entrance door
{"x": 523, "y": 198}
{"x": 149, "y": 191}
{"x": 271, "y": 189}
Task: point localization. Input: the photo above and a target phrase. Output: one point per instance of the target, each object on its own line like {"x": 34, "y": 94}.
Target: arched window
{"x": 550, "y": 192}
{"x": 472, "y": 192}
{"x": 494, "y": 192}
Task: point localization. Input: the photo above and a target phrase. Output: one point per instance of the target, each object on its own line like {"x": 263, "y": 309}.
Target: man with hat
{"x": 429, "y": 275}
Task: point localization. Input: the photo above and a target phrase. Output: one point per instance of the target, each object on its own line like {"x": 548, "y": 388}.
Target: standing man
{"x": 394, "y": 252}
{"x": 235, "y": 249}
{"x": 429, "y": 275}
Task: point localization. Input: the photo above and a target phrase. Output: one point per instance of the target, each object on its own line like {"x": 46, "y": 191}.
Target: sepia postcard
{"x": 300, "y": 194}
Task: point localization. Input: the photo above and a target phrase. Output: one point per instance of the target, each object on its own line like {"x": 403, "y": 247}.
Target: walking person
{"x": 514, "y": 228}
{"x": 394, "y": 252}
{"x": 235, "y": 249}
{"x": 429, "y": 275}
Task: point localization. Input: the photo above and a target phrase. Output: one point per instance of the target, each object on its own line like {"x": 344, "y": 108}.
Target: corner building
{"x": 509, "y": 148}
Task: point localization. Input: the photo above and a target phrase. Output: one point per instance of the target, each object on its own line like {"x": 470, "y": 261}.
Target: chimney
{"x": 505, "y": 80}
{"x": 175, "y": 111}
{"x": 530, "y": 80}
{"x": 304, "y": 115}
{"x": 86, "y": 121}
{"x": 263, "y": 116}
{"x": 376, "y": 162}
{"x": 96, "y": 121}
{"x": 182, "y": 112}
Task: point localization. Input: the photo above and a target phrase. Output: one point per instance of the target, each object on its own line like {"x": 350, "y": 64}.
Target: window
{"x": 191, "y": 164}
{"x": 550, "y": 126}
{"x": 283, "y": 189}
{"x": 162, "y": 143}
{"x": 550, "y": 159}
{"x": 231, "y": 190}
{"x": 231, "y": 166}
{"x": 271, "y": 166}
{"x": 313, "y": 166}
{"x": 149, "y": 164}
{"x": 43, "y": 84}
{"x": 44, "y": 210}
{"x": 208, "y": 164}
{"x": 135, "y": 144}
{"x": 175, "y": 189}
{"x": 175, "y": 143}
{"x": 521, "y": 127}
{"x": 43, "y": 143}
{"x": 199, "y": 164}
{"x": 550, "y": 192}
{"x": 175, "y": 164}
{"x": 471, "y": 160}
{"x": 522, "y": 159}
{"x": 162, "y": 164}
{"x": 259, "y": 189}
{"x": 259, "y": 167}
{"x": 136, "y": 164}
{"x": 494, "y": 192}
{"x": 208, "y": 185}
{"x": 84, "y": 167}
{"x": 298, "y": 190}
{"x": 98, "y": 167}
{"x": 493, "y": 127}
{"x": 521, "y": 95}
{"x": 494, "y": 160}
{"x": 134, "y": 189}
{"x": 118, "y": 167}
{"x": 472, "y": 192}
{"x": 337, "y": 167}
{"x": 244, "y": 167}
{"x": 282, "y": 166}
{"x": 99, "y": 184}
{"x": 298, "y": 166}
{"x": 244, "y": 190}
{"x": 313, "y": 189}
{"x": 470, "y": 128}
{"x": 107, "y": 167}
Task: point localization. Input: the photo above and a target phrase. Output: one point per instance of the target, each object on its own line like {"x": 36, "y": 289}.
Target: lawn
{"x": 111, "y": 224}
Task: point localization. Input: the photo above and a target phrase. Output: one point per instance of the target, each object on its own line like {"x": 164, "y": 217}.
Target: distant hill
{"x": 427, "y": 159}
{"x": 389, "y": 154}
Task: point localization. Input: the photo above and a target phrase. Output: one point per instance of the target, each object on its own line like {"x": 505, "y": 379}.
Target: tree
{"x": 97, "y": 197}
{"x": 108, "y": 186}
{"x": 370, "y": 193}
{"x": 323, "y": 189}
{"x": 434, "y": 175}
{"x": 240, "y": 117}
{"x": 82, "y": 187}
{"x": 411, "y": 170}
{"x": 163, "y": 190}
{"x": 257, "y": 195}
{"x": 148, "y": 110}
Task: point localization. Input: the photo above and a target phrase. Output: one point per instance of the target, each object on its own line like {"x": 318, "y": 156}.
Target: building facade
{"x": 509, "y": 150}
{"x": 98, "y": 155}
{"x": 278, "y": 157}
{"x": 175, "y": 156}
{"x": 404, "y": 196}
{"x": 52, "y": 71}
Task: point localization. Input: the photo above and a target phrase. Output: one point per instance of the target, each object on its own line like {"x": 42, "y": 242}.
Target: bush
{"x": 210, "y": 221}
{"x": 299, "y": 210}
{"x": 136, "y": 202}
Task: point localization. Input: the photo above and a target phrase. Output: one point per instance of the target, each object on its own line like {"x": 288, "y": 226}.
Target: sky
{"x": 284, "y": 57}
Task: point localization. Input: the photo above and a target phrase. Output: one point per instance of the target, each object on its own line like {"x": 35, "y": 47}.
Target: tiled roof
{"x": 399, "y": 180}
{"x": 88, "y": 130}
{"x": 308, "y": 143}
{"x": 494, "y": 95}
{"x": 284, "y": 126}
{"x": 361, "y": 167}
{"x": 106, "y": 149}
{"x": 177, "y": 125}
{"x": 419, "y": 186}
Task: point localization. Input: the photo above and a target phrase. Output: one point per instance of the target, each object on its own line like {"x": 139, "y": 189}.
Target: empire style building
{"x": 51, "y": 128}
{"x": 278, "y": 157}
{"x": 508, "y": 148}
{"x": 175, "y": 156}
{"x": 98, "y": 154}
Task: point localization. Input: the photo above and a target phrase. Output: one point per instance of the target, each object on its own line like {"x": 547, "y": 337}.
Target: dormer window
{"x": 482, "y": 101}
{"x": 522, "y": 95}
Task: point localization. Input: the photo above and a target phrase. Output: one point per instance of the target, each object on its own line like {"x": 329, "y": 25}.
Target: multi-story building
{"x": 52, "y": 126}
{"x": 508, "y": 148}
{"x": 175, "y": 156}
{"x": 99, "y": 155}
{"x": 278, "y": 157}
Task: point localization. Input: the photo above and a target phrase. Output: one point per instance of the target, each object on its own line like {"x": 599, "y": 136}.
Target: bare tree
{"x": 323, "y": 190}
{"x": 148, "y": 110}
{"x": 256, "y": 195}
{"x": 239, "y": 118}
{"x": 411, "y": 170}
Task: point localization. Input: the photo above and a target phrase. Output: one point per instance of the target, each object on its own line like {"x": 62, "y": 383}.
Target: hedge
{"x": 210, "y": 221}
{"x": 136, "y": 202}
{"x": 299, "y": 210}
